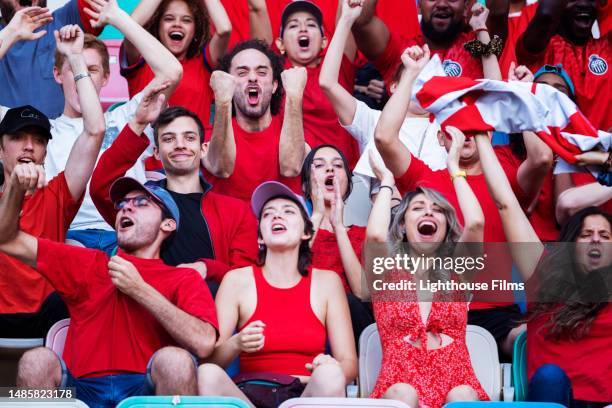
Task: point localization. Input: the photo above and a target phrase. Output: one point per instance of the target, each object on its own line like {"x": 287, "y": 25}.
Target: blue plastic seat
{"x": 181, "y": 401}
{"x": 483, "y": 404}
{"x": 519, "y": 367}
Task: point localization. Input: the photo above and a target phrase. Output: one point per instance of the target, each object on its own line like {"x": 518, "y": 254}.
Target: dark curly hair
{"x": 561, "y": 280}
{"x": 305, "y": 253}
{"x": 306, "y": 168}
{"x": 275, "y": 61}
{"x": 200, "y": 19}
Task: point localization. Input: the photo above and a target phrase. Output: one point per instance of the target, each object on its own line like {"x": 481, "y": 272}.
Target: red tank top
{"x": 294, "y": 334}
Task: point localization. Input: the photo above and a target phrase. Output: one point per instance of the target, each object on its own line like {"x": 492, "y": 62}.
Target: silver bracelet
{"x": 81, "y": 76}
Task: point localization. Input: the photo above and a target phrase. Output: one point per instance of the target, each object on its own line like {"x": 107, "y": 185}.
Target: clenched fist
{"x": 294, "y": 81}
{"x": 223, "y": 85}
{"x": 28, "y": 176}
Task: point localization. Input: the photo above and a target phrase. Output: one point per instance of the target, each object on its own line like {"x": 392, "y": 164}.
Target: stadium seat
{"x": 56, "y": 337}
{"x": 20, "y": 343}
{"x": 480, "y": 343}
{"x": 341, "y": 402}
{"x": 180, "y": 401}
{"x": 519, "y": 367}
{"x": 481, "y": 404}
{"x": 48, "y": 404}
{"x": 11, "y": 350}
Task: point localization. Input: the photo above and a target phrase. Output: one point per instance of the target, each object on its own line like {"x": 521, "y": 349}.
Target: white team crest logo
{"x": 597, "y": 65}
{"x": 452, "y": 68}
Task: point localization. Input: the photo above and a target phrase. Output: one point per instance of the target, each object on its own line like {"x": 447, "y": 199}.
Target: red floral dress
{"x": 433, "y": 373}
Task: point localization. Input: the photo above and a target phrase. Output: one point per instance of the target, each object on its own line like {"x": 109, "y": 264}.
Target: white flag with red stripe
{"x": 510, "y": 107}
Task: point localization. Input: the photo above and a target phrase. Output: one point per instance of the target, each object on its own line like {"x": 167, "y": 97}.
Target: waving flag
{"x": 510, "y": 107}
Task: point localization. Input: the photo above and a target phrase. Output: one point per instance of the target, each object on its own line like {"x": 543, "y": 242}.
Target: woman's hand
{"x": 251, "y": 339}
{"x": 320, "y": 360}
{"x": 454, "y": 153}
{"x": 381, "y": 172}
{"x": 336, "y": 217}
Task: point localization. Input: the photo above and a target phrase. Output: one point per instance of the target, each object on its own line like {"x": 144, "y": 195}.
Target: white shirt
{"x": 419, "y": 135}
{"x": 65, "y": 132}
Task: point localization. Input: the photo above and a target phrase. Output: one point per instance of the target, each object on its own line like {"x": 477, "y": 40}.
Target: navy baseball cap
{"x": 559, "y": 71}
{"x": 16, "y": 119}
{"x": 301, "y": 5}
{"x": 273, "y": 189}
{"x": 124, "y": 185}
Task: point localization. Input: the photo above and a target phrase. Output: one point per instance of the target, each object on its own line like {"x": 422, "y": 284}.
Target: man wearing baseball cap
{"x": 28, "y": 306}
{"x": 128, "y": 313}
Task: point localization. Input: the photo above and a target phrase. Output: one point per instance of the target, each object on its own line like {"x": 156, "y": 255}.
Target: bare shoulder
{"x": 239, "y": 278}
{"x": 326, "y": 280}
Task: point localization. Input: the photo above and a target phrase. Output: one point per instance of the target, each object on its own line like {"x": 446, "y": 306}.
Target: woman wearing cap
{"x": 283, "y": 311}
{"x": 425, "y": 359}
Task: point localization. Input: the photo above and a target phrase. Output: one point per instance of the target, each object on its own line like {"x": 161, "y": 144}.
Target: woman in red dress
{"x": 425, "y": 358}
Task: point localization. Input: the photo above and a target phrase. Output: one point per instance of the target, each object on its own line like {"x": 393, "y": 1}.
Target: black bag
{"x": 269, "y": 390}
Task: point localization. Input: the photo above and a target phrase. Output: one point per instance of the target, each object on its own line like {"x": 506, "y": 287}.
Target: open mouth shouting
{"x": 176, "y": 37}
{"x": 278, "y": 228}
{"x": 253, "y": 94}
{"x": 303, "y": 42}
{"x": 125, "y": 223}
{"x": 25, "y": 159}
{"x": 329, "y": 183}
{"x": 427, "y": 229}
{"x": 442, "y": 17}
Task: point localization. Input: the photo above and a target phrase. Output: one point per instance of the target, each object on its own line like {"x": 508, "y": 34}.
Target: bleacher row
{"x": 505, "y": 382}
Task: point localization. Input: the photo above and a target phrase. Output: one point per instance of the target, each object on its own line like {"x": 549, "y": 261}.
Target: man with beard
{"x": 217, "y": 233}
{"x": 442, "y": 27}
{"x": 26, "y": 71}
{"x": 560, "y": 33}
{"x": 129, "y": 314}
{"x": 256, "y": 145}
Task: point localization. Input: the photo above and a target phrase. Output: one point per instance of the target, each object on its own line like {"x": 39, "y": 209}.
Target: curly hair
{"x": 200, "y": 19}
{"x": 581, "y": 295}
{"x": 275, "y": 61}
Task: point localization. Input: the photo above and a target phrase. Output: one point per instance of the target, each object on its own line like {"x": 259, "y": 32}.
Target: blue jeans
{"x": 108, "y": 391}
{"x": 96, "y": 239}
{"x": 551, "y": 384}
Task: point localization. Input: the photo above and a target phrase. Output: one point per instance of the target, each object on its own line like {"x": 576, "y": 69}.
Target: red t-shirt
{"x": 400, "y": 16}
{"x": 580, "y": 179}
{"x": 420, "y": 175}
{"x": 326, "y": 254}
{"x": 321, "y": 125}
{"x": 257, "y": 160}
{"x": 517, "y": 24}
{"x": 587, "y": 65}
{"x": 238, "y": 13}
{"x": 455, "y": 59}
{"x": 193, "y": 92}
{"x": 587, "y": 362}
{"x": 46, "y": 214}
{"x": 109, "y": 332}
{"x": 542, "y": 217}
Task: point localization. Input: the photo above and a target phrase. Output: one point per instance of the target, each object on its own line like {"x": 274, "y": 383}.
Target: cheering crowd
{"x": 203, "y": 221}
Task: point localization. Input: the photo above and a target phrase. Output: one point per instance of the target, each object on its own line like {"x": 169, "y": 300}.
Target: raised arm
{"x": 478, "y": 22}
{"x": 576, "y": 198}
{"x": 221, "y": 156}
{"x": 473, "y": 217}
{"x": 259, "y": 21}
{"x": 187, "y": 330}
{"x": 84, "y": 152}
{"x": 396, "y": 156}
{"x": 343, "y": 102}
{"x": 497, "y": 19}
{"x": 370, "y": 32}
{"x": 542, "y": 27}
{"x": 223, "y": 30}
{"x": 164, "y": 65}
{"x": 292, "y": 146}
{"x": 517, "y": 227}
{"x": 22, "y": 27}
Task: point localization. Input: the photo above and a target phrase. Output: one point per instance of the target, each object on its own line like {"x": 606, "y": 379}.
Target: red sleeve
{"x": 85, "y": 19}
{"x": 524, "y": 57}
{"x": 68, "y": 268}
{"x": 415, "y": 172}
{"x": 347, "y": 74}
{"x": 113, "y": 164}
{"x": 389, "y": 60}
{"x": 59, "y": 193}
{"x": 193, "y": 297}
{"x": 127, "y": 70}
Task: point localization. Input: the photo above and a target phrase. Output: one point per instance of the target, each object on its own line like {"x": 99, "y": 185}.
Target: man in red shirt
{"x": 27, "y": 308}
{"x": 255, "y": 145}
{"x": 302, "y": 42}
{"x": 218, "y": 233}
{"x": 560, "y": 33}
{"x": 125, "y": 310}
{"x": 442, "y": 27}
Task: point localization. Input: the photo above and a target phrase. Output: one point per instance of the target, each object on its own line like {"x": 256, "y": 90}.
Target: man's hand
{"x": 27, "y": 20}
{"x": 294, "y": 81}
{"x": 351, "y": 10}
{"x": 520, "y": 73}
{"x": 479, "y": 17}
{"x": 320, "y": 360}
{"x": 125, "y": 276}
{"x": 149, "y": 107}
{"x": 69, "y": 40}
{"x": 251, "y": 338}
{"x": 199, "y": 266}
{"x": 375, "y": 89}
{"x": 415, "y": 58}
{"x": 102, "y": 12}
{"x": 223, "y": 86}
{"x": 28, "y": 176}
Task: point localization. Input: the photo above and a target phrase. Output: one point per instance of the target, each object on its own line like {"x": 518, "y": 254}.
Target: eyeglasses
{"x": 138, "y": 201}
